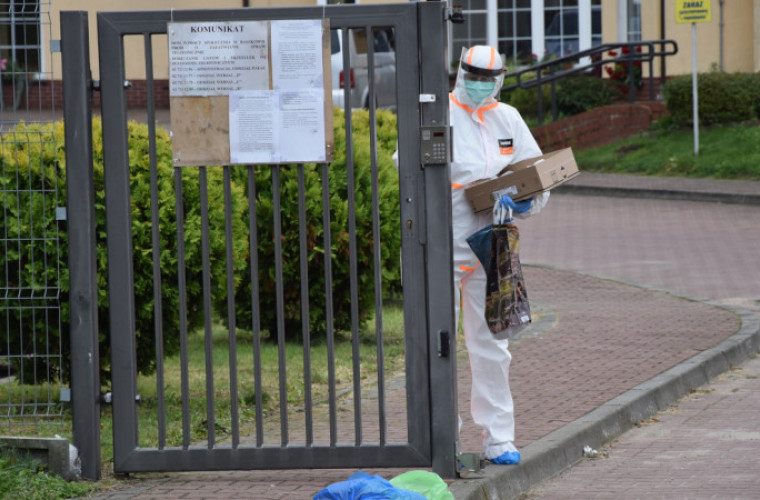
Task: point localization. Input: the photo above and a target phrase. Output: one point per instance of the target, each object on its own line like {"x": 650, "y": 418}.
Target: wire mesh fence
{"x": 32, "y": 211}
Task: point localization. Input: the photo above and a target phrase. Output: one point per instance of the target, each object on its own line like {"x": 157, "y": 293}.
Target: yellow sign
{"x": 693, "y": 11}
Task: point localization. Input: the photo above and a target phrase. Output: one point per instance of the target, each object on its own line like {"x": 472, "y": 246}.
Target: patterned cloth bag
{"x": 507, "y": 309}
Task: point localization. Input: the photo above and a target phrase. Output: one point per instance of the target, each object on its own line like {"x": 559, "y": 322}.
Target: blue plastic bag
{"x": 362, "y": 486}
{"x": 480, "y": 241}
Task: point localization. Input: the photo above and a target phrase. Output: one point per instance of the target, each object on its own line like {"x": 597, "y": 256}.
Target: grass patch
{"x": 148, "y": 421}
{"x": 23, "y": 477}
{"x": 725, "y": 152}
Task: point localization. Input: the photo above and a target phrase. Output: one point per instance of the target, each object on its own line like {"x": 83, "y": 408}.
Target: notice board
{"x": 250, "y": 92}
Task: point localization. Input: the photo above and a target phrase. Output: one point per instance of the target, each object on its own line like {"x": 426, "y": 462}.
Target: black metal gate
{"x": 234, "y": 232}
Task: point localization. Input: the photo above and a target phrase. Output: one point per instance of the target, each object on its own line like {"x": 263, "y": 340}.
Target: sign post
{"x": 694, "y": 11}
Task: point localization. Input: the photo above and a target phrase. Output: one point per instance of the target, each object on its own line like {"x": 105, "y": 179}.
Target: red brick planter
{"x": 599, "y": 126}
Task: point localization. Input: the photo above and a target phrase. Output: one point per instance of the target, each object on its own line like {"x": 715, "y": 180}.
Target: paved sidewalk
{"x": 670, "y": 188}
{"x": 705, "y": 446}
{"x": 639, "y": 301}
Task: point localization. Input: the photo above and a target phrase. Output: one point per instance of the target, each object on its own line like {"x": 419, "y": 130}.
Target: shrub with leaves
{"x": 389, "y": 233}
{"x": 526, "y": 100}
{"x": 579, "y": 93}
{"x": 40, "y": 163}
{"x": 30, "y": 253}
{"x": 723, "y": 98}
{"x": 753, "y": 86}
{"x": 575, "y": 94}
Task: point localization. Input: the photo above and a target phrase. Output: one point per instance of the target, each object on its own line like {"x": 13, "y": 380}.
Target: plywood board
{"x": 200, "y": 130}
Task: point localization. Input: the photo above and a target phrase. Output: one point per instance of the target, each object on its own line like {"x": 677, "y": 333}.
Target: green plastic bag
{"x": 428, "y": 484}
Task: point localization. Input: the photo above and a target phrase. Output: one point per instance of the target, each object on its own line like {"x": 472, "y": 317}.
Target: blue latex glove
{"x": 517, "y": 207}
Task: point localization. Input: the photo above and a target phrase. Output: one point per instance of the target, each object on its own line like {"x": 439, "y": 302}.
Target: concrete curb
{"x": 664, "y": 194}
{"x": 563, "y": 448}
{"x": 53, "y": 452}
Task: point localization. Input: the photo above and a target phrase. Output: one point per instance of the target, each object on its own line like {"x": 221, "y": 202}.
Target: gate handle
{"x": 443, "y": 343}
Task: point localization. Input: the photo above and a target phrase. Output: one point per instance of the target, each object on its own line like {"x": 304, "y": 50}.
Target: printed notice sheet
{"x": 277, "y": 126}
{"x": 297, "y": 54}
{"x": 216, "y": 58}
{"x": 295, "y": 108}
{"x": 253, "y": 139}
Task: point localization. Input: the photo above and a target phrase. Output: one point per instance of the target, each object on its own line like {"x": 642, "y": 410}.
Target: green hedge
{"x": 33, "y": 156}
{"x": 575, "y": 94}
{"x": 339, "y": 227}
{"x": 30, "y": 255}
{"x": 580, "y": 93}
{"x": 723, "y": 98}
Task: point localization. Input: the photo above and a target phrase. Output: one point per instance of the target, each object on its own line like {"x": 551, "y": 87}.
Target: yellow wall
{"x": 133, "y": 46}
{"x": 741, "y": 35}
{"x": 609, "y": 21}
{"x": 739, "y": 38}
{"x": 756, "y": 35}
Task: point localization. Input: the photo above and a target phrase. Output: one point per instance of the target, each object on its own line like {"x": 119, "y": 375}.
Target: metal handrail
{"x": 642, "y": 51}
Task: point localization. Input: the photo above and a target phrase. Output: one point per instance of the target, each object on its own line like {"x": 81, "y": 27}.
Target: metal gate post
{"x": 83, "y": 291}
{"x": 439, "y": 265}
{"x": 113, "y": 105}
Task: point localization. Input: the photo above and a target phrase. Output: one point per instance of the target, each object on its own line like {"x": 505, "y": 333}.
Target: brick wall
{"x": 45, "y": 94}
{"x": 593, "y": 128}
{"x": 599, "y": 126}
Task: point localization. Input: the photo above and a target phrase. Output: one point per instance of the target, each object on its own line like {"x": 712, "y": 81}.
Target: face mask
{"x": 479, "y": 91}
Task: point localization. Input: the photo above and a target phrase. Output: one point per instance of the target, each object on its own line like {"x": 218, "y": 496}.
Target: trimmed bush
{"x": 30, "y": 255}
{"x": 390, "y": 233}
{"x": 575, "y": 94}
{"x": 723, "y": 98}
{"x": 526, "y": 101}
{"x": 752, "y": 82}
{"x": 579, "y": 93}
{"x": 35, "y": 167}
{"x": 40, "y": 162}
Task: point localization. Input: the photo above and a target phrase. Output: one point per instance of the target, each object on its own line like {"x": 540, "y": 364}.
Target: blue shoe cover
{"x": 507, "y": 458}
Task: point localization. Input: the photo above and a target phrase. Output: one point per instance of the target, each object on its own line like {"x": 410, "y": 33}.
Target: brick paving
{"x": 699, "y": 249}
{"x": 599, "y": 334}
{"x": 608, "y": 338}
{"x": 707, "y": 446}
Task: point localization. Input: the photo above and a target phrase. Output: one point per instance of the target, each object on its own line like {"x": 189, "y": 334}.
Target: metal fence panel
{"x": 32, "y": 212}
{"x": 211, "y": 406}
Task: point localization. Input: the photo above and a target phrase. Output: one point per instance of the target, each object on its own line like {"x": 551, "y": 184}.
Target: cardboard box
{"x": 524, "y": 179}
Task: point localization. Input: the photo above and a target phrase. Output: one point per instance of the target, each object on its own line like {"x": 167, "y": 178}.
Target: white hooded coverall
{"x": 487, "y": 136}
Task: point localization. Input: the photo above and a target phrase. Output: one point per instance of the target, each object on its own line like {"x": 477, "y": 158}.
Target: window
{"x": 20, "y": 37}
{"x": 634, "y": 21}
{"x": 561, "y": 22}
{"x": 472, "y": 31}
{"x": 514, "y": 29}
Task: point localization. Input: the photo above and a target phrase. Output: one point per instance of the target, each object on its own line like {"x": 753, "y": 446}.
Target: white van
{"x": 356, "y": 77}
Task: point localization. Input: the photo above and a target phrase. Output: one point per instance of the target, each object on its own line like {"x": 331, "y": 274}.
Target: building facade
{"x": 523, "y": 30}
{"x": 526, "y": 30}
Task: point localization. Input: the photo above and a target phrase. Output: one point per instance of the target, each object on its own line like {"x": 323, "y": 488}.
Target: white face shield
{"x": 480, "y": 76}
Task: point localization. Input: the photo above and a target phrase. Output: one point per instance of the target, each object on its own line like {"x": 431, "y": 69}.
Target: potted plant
{"x": 620, "y": 70}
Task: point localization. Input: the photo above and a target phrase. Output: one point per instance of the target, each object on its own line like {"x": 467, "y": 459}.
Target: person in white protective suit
{"x": 487, "y": 136}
